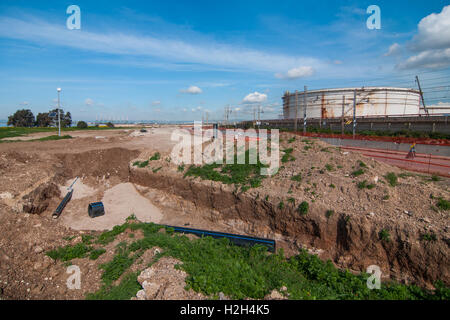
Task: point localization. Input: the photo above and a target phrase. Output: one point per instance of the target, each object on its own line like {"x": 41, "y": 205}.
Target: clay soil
{"x": 35, "y": 175}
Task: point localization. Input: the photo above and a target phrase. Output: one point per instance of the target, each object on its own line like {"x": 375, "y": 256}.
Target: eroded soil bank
{"x": 344, "y": 221}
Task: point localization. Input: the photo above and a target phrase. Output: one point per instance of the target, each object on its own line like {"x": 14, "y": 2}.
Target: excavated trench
{"x": 350, "y": 241}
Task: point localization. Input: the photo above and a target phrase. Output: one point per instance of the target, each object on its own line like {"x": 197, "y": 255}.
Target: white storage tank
{"x": 370, "y": 102}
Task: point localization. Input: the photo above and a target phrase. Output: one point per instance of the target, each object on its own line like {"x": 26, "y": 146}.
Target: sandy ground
{"x": 120, "y": 202}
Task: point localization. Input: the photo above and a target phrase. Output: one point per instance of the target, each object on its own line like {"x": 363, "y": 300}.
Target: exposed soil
{"x": 35, "y": 176}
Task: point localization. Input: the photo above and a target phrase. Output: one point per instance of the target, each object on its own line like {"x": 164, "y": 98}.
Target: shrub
{"x": 358, "y": 172}
{"x": 429, "y": 237}
{"x": 155, "y": 157}
{"x": 297, "y": 178}
{"x": 303, "y": 208}
{"x": 110, "y": 125}
{"x": 82, "y": 125}
{"x": 329, "y": 213}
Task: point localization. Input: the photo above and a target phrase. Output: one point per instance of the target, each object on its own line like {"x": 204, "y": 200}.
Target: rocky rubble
{"x": 163, "y": 282}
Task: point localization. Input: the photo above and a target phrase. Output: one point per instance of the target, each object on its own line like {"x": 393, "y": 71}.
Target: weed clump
{"x": 384, "y": 235}
{"x": 443, "y": 204}
{"x": 391, "y": 178}
{"x": 303, "y": 208}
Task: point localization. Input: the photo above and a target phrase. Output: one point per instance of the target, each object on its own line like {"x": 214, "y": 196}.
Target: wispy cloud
{"x": 36, "y": 30}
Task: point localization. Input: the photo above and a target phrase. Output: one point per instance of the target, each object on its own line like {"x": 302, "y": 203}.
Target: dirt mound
{"x": 98, "y": 163}
{"x": 163, "y": 282}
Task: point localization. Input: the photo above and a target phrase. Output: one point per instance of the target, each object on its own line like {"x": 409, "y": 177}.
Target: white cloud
{"x": 89, "y": 102}
{"x": 192, "y": 90}
{"x": 196, "y": 109}
{"x": 432, "y": 42}
{"x": 393, "y": 50}
{"x": 428, "y": 59}
{"x": 255, "y": 97}
{"x": 295, "y": 73}
{"x": 433, "y": 31}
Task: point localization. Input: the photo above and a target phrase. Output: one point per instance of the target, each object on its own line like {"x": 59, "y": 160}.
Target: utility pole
{"x": 296, "y": 109}
{"x": 354, "y": 114}
{"x": 59, "y": 115}
{"x": 421, "y": 96}
{"x": 342, "y": 116}
{"x": 304, "y": 110}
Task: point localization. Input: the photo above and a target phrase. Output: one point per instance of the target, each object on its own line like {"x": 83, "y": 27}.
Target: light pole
{"x": 59, "y": 116}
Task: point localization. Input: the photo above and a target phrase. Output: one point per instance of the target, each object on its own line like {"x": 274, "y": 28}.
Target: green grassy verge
{"x": 244, "y": 176}
{"x": 215, "y": 265}
{"x": 10, "y": 132}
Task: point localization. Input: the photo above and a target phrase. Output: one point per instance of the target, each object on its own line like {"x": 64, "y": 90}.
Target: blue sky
{"x": 176, "y": 60}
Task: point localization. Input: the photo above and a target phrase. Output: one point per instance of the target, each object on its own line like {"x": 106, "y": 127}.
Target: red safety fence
{"x": 425, "y": 163}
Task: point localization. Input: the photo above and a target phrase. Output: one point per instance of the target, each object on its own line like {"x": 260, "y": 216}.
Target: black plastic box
{"x": 96, "y": 209}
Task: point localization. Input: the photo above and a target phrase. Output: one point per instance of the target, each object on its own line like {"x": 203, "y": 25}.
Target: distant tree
{"x": 67, "y": 122}
{"x": 66, "y": 118}
{"x": 82, "y": 125}
{"x": 110, "y": 125}
{"x": 43, "y": 120}
{"x": 22, "y": 118}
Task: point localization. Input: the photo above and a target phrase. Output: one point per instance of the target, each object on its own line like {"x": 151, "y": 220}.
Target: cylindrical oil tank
{"x": 370, "y": 102}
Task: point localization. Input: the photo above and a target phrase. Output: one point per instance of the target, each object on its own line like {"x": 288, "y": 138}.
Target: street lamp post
{"x": 59, "y": 114}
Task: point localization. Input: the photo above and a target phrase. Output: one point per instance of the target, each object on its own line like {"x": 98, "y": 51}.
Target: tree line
{"x": 26, "y": 118}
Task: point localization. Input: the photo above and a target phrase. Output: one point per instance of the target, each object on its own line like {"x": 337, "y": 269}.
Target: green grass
{"x": 215, "y": 265}
{"x": 297, "y": 177}
{"x": 303, "y": 208}
{"x": 362, "y": 164}
{"x": 291, "y": 140}
{"x": 329, "y": 213}
{"x": 443, "y": 204}
{"x": 155, "y": 157}
{"x": 429, "y": 237}
{"x": 69, "y": 252}
{"x": 287, "y": 156}
{"x": 384, "y": 235}
{"x": 241, "y": 175}
{"x": 96, "y": 253}
{"x": 180, "y": 168}
{"x": 391, "y": 178}
{"x": 329, "y": 167}
{"x": 11, "y": 132}
{"x": 51, "y": 138}
{"x": 363, "y": 185}
{"x": 140, "y": 164}
{"x": 358, "y": 172}
{"x": 435, "y": 178}
{"x": 156, "y": 169}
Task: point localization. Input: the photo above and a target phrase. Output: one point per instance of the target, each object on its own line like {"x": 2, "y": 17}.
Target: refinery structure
{"x": 343, "y": 102}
